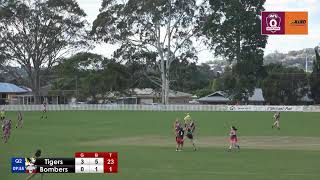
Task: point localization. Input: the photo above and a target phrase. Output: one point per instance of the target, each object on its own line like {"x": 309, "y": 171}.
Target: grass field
{"x": 146, "y": 145}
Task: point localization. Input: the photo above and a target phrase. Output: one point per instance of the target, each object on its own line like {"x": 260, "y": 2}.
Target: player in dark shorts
{"x": 20, "y": 120}
{"x": 6, "y": 128}
{"x": 180, "y": 139}
{"x": 44, "y": 111}
{"x": 36, "y": 155}
{"x": 190, "y": 131}
{"x": 233, "y": 138}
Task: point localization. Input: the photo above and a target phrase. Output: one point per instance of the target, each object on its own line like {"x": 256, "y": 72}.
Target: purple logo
{"x": 272, "y": 23}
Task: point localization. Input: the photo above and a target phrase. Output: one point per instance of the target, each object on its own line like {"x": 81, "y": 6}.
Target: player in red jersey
{"x": 233, "y": 138}
{"x": 20, "y": 120}
{"x": 44, "y": 111}
{"x": 276, "y": 123}
{"x": 180, "y": 138}
{"x": 6, "y": 128}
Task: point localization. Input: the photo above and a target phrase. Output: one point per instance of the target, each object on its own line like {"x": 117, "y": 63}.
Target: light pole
{"x": 306, "y": 61}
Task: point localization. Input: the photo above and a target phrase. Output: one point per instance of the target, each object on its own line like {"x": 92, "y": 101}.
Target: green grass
{"x": 65, "y": 133}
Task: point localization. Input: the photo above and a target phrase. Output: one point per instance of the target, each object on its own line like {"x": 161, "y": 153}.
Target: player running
{"x": 233, "y": 138}
{"x": 276, "y": 123}
{"x": 180, "y": 138}
{"x": 20, "y": 120}
{"x": 190, "y": 130}
{"x": 36, "y": 155}
{"x": 44, "y": 111}
{"x": 6, "y": 128}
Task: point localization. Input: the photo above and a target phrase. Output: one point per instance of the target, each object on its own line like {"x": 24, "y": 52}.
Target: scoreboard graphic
{"x": 82, "y": 162}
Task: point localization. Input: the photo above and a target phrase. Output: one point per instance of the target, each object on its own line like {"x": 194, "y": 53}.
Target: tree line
{"x": 157, "y": 48}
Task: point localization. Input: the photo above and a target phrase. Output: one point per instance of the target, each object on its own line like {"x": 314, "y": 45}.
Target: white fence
{"x": 134, "y": 107}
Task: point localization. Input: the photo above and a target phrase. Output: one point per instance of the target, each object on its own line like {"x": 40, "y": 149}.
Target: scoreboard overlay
{"x": 82, "y": 162}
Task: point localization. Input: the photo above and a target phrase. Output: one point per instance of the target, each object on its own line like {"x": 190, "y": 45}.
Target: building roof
{"x": 306, "y": 98}
{"x": 178, "y": 94}
{"x": 218, "y": 96}
{"x": 149, "y": 92}
{"x": 11, "y": 88}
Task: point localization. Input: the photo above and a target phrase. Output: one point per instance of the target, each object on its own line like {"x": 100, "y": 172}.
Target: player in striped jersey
{"x": 276, "y": 123}
{"x": 190, "y": 131}
{"x": 2, "y": 115}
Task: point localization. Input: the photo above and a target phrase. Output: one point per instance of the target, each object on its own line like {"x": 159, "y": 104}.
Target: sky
{"x": 278, "y": 43}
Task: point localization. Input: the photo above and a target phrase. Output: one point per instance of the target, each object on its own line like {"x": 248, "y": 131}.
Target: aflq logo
{"x": 273, "y": 22}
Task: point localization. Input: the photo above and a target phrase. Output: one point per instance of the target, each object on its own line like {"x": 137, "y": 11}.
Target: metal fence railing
{"x": 138, "y": 107}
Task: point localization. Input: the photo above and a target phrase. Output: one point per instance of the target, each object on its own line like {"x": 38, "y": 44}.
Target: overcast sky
{"x": 280, "y": 43}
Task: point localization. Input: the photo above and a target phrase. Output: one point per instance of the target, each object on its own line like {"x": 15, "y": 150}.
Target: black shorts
{"x": 2, "y": 118}
{"x": 190, "y": 136}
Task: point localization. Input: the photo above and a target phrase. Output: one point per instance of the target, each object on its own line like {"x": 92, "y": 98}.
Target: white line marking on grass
{"x": 230, "y": 173}
{"x": 248, "y": 142}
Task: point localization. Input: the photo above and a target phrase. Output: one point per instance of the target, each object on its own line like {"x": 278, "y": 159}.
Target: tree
{"x": 234, "y": 32}
{"x": 284, "y": 85}
{"x": 95, "y": 76}
{"x": 163, "y": 27}
{"x": 189, "y": 77}
{"x": 217, "y": 84}
{"x": 143, "y": 69}
{"x": 315, "y": 78}
{"x": 35, "y": 34}
{"x": 80, "y": 72}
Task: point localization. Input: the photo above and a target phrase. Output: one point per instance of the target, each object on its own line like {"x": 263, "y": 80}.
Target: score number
{"x": 110, "y": 162}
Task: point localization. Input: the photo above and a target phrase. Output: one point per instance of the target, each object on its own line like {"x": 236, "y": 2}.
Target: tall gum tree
{"x": 36, "y": 34}
{"x": 166, "y": 28}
